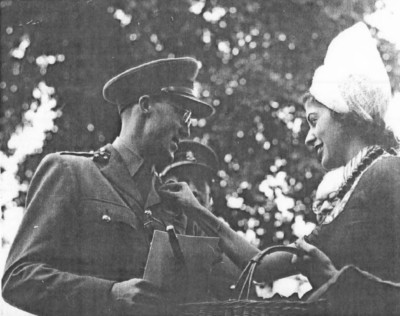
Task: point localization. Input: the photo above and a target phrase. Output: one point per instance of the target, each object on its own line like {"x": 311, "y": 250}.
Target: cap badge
{"x": 190, "y": 156}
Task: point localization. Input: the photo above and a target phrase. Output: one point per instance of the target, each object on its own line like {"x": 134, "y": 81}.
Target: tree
{"x": 258, "y": 59}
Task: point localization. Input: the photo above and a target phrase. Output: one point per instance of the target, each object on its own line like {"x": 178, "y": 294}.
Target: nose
{"x": 310, "y": 139}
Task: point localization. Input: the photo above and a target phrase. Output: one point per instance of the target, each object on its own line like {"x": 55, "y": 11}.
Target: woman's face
{"x": 326, "y": 135}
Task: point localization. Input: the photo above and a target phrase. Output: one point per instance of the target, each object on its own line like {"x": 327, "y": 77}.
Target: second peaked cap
{"x": 192, "y": 153}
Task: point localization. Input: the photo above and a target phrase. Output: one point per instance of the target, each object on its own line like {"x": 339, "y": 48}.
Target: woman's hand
{"x": 313, "y": 263}
{"x": 179, "y": 195}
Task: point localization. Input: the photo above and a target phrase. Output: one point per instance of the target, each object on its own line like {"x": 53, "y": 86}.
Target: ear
{"x": 144, "y": 103}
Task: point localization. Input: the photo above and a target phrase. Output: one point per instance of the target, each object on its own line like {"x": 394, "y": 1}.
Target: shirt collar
{"x": 132, "y": 160}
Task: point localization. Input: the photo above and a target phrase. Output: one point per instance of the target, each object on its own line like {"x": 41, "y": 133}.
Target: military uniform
{"x": 84, "y": 230}
{"x": 89, "y": 218}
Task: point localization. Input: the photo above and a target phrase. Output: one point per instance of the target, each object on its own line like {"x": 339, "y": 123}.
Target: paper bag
{"x": 188, "y": 282}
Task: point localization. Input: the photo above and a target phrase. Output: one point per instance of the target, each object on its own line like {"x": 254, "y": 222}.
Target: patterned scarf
{"x": 337, "y": 186}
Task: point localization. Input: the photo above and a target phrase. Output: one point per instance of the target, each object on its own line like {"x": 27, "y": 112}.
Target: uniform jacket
{"x": 367, "y": 232}
{"x": 84, "y": 229}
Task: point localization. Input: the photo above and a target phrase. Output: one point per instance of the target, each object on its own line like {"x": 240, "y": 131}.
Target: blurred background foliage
{"x": 257, "y": 58}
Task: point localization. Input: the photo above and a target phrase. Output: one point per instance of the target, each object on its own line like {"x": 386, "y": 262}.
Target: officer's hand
{"x": 138, "y": 297}
{"x": 179, "y": 195}
{"x": 313, "y": 263}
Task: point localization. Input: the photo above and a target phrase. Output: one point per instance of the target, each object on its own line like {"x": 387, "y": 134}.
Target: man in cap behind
{"x": 197, "y": 165}
{"x": 82, "y": 246}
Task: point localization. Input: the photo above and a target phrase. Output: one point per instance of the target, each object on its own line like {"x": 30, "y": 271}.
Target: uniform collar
{"x": 132, "y": 160}
{"x": 153, "y": 198}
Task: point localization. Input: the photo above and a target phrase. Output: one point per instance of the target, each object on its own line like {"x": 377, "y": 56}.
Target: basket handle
{"x": 246, "y": 277}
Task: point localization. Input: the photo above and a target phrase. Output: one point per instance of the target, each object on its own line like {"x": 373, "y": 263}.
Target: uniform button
{"x": 106, "y": 218}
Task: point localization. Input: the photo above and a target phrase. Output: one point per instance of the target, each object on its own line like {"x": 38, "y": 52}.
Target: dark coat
{"x": 353, "y": 292}
{"x": 83, "y": 231}
{"x": 367, "y": 232}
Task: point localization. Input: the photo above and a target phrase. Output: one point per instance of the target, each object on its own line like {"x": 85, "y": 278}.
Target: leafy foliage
{"x": 258, "y": 58}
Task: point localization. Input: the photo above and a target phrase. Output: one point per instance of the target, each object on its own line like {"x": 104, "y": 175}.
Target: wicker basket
{"x": 254, "y": 308}
{"x": 246, "y": 307}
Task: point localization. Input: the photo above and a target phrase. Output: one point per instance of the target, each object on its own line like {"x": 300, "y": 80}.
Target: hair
{"x": 373, "y": 132}
{"x": 160, "y": 97}
{"x": 157, "y": 97}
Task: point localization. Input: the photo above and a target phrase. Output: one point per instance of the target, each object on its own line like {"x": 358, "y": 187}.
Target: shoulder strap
{"x": 101, "y": 156}
{"x": 75, "y": 153}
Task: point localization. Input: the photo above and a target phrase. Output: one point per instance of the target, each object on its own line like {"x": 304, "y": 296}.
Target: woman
{"x": 359, "y": 218}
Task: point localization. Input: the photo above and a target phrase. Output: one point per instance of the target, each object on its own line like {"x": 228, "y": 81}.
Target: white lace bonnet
{"x": 353, "y": 77}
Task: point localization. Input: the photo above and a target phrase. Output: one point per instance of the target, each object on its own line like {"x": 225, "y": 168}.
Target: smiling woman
{"x": 337, "y": 137}
{"x": 327, "y": 135}
{"x": 359, "y": 219}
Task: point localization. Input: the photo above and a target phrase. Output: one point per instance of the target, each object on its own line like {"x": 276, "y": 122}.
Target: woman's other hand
{"x": 313, "y": 263}
{"x": 179, "y": 195}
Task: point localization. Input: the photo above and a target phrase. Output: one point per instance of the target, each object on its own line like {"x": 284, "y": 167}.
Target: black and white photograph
{"x": 200, "y": 157}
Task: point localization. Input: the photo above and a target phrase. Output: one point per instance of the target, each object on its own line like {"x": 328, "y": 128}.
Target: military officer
{"x": 197, "y": 165}
{"x": 82, "y": 245}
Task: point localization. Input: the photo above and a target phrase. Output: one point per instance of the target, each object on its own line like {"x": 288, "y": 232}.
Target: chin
{"x": 325, "y": 167}
{"x": 163, "y": 161}
{"x": 325, "y": 164}
{"x": 330, "y": 165}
